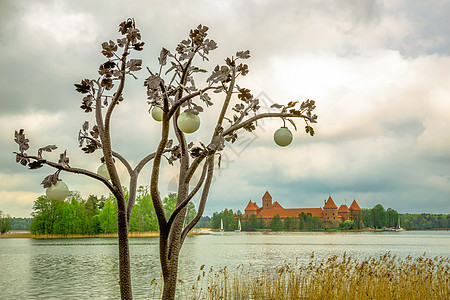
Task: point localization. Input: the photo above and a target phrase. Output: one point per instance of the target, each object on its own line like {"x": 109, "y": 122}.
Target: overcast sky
{"x": 379, "y": 72}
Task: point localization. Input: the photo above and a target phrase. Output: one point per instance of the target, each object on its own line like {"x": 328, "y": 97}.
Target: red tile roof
{"x": 288, "y": 212}
{"x": 330, "y": 203}
{"x": 251, "y": 206}
{"x": 343, "y": 209}
{"x": 355, "y": 206}
{"x": 276, "y": 205}
{"x": 267, "y": 196}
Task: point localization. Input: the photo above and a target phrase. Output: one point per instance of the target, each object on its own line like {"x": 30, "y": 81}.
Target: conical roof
{"x": 355, "y": 206}
{"x": 251, "y": 206}
{"x": 267, "y": 196}
{"x": 343, "y": 208}
{"x": 330, "y": 203}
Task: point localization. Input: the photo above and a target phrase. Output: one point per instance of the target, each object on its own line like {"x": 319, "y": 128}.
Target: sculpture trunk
{"x": 173, "y": 246}
{"x": 171, "y": 251}
{"x": 124, "y": 252}
{"x": 170, "y": 279}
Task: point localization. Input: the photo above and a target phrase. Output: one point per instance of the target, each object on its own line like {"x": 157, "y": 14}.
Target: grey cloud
{"x": 38, "y": 73}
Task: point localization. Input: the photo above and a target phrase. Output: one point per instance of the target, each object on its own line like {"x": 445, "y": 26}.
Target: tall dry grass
{"x": 385, "y": 277}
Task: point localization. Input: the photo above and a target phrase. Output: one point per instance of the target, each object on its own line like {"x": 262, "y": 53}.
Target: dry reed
{"x": 385, "y": 277}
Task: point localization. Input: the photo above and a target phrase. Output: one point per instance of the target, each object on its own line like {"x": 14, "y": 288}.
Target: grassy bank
{"x": 385, "y": 277}
{"x": 28, "y": 235}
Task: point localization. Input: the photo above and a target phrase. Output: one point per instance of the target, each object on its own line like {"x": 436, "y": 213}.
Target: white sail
{"x": 221, "y": 225}
{"x": 239, "y": 226}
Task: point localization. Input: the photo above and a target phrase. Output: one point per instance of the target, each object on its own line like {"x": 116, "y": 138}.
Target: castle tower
{"x": 251, "y": 208}
{"x": 330, "y": 211}
{"x": 267, "y": 201}
{"x": 343, "y": 211}
{"x": 355, "y": 212}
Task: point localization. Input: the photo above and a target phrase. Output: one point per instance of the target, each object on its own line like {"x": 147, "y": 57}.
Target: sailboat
{"x": 221, "y": 225}
{"x": 398, "y": 226}
{"x": 239, "y": 226}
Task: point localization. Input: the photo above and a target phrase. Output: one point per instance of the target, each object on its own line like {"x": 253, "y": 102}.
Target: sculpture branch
{"x": 72, "y": 170}
{"x": 123, "y": 161}
{"x": 235, "y": 127}
{"x": 201, "y": 207}
{"x": 115, "y": 154}
{"x": 185, "y": 202}
{"x": 187, "y": 98}
{"x": 156, "y": 199}
{"x": 226, "y": 103}
{"x": 194, "y": 167}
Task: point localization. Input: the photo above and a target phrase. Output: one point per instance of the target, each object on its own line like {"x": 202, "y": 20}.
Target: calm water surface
{"x": 88, "y": 268}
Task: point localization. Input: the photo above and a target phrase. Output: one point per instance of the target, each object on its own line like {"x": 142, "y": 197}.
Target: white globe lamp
{"x": 57, "y": 192}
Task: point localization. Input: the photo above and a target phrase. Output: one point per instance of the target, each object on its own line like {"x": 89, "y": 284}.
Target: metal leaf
{"x": 293, "y": 124}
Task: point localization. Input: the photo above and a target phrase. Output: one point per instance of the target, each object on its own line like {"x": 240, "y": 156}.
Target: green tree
{"x": 379, "y": 219}
{"x": 317, "y": 223}
{"x": 260, "y": 223}
{"x": 391, "y": 218}
{"x": 347, "y": 225}
{"x": 173, "y": 94}
{"x": 191, "y": 212}
{"x": 308, "y": 221}
{"x": 367, "y": 217}
{"x": 45, "y": 214}
{"x": 91, "y": 208}
{"x": 287, "y": 223}
{"x": 215, "y": 220}
{"x": 143, "y": 217}
{"x": 252, "y": 223}
{"x": 227, "y": 217}
{"x": 276, "y": 224}
{"x": 108, "y": 217}
{"x": 301, "y": 221}
{"x": 290, "y": 223}
{"x": 21, "y": 223}
{"x": 170, "y": 203}
{"x": 204, "y": 222}
{"x": 5, "y": 223}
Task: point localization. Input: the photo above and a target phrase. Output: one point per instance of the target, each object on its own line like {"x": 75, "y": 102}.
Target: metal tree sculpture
{"x": 168, "y": 94}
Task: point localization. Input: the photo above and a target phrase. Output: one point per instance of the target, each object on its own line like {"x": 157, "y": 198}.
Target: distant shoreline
{"x": 202, "y": 231}
{"x": 28, "y": 235}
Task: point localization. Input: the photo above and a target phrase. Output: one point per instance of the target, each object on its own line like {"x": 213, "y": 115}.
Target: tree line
{"x": 378, "y": 217}
{"x": 89, "y": 216}
{"x": 97, "y": 215}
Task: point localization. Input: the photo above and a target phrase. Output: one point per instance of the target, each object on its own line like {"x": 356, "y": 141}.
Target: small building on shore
{"x": 329, "y": 213}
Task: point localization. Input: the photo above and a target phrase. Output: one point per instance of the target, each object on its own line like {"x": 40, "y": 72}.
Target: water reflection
{"x": 88, "y": 268}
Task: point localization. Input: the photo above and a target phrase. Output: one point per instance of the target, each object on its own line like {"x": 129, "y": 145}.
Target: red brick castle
{"x": 329, "y": 213}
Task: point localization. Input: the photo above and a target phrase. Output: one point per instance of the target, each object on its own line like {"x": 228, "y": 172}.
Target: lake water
{"x": 88, "y": 268}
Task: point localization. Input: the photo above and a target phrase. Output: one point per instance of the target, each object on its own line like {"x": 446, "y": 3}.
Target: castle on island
{"x": 329, "y": 213}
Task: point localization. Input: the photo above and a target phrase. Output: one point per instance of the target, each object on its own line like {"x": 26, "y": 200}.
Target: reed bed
{"x": 384, "y": 277}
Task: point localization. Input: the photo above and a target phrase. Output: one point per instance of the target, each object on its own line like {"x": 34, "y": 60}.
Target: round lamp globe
{"x": 283, "y": 137}
{"x": 188, "y": 122}
{"x": 103, "y": 171}
{"x": 157, "y": 113}
{"x": 57, "y": 192}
